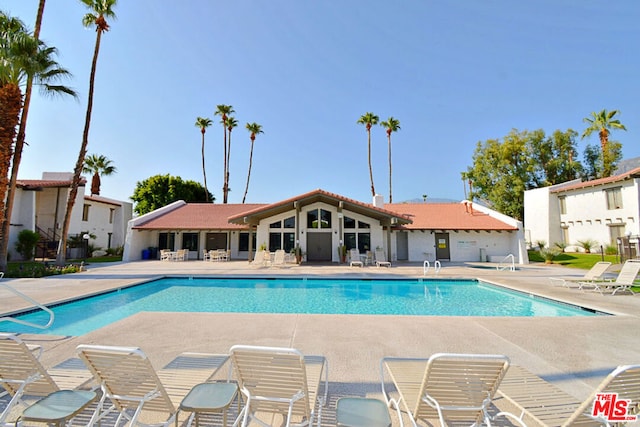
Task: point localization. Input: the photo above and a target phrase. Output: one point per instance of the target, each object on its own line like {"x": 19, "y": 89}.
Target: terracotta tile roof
{"x": 103, "y": 200}
{"x": 633, "y": 173}
{"x": 319, "y": 193}
{"x": 447, "y": 216}
{"x": 32, "y": 184}
{"x": 199, "y": 216}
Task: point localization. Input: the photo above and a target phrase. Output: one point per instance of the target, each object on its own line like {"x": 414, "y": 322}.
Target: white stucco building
{"x": 320, "y": 221}
{"x": 40, "y": 206}
{"x": 601, "y": 210}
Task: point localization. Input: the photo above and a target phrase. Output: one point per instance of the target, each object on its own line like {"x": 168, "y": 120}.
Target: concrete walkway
{"x": 574, "y": 353}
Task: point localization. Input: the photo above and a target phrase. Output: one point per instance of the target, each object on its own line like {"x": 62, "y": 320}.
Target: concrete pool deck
{"x": 574, "y": 353}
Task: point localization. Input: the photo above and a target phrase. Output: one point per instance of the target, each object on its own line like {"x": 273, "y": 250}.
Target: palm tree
{"x": 224, "y": 111}
{"x": 254, "y": 129}
{"x": 231, "y": 123}
{"x": 23, "y": 59}
{"x": 602, "y": 123}
{"x": 98, "y": 165}
{"x": 99, "y": 10}
{"x": 392, "y": 125}
{"x": 369, "y": 119}
{"x": 203, "y": 123}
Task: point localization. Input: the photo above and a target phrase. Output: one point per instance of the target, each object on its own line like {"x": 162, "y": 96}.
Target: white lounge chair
{"x": 623, "y": 282}
{"x": 354, "y": 258}
{"x": 448, "y": 387}
{"x": 282, "y": 381}
{"x": 381, "y": 259}
{"x": 596, "y": 272}
{"x": 542, "y": 403}
{"x": 22, "y": 376}
{"x": 260, "y": 258}
{"x": 131, "y": 386}
{"x": 278, "y": 258}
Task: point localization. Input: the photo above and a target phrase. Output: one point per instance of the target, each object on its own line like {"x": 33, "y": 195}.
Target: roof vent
{"x": 378, "y": 201}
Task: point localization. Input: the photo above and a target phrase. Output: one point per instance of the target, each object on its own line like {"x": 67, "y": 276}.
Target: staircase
{"x": 47, "y": 246}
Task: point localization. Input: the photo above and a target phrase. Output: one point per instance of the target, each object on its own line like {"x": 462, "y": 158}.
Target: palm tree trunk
{"x": 246, "y": 189}
{"x": 226, "y": 177}
{"x": 61, "y": 256}
{"x": 224, "y": 172}
{"x": 95, "y": 184}
{"x": 10, "y": 105}
{"x": 204, "y": 172}
{"x": 17, "y": 155}
{"x": 373, "y": 190}
{"x": 390, "y": 192}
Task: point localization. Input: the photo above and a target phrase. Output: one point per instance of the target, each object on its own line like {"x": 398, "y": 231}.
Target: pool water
{"x": 422, "y": 297}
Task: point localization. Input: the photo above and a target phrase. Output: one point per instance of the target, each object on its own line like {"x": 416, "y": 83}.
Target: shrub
{"x": 548, "y": 255}
{"x": 26, "y": 243}
{"x": 561, "y": 245}
{"x": 541, "y": 244}
{"x": 611, "y": 250}
{"x": 587, "y": 245}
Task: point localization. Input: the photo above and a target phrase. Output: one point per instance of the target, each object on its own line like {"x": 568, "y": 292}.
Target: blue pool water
{"x": 327, "y": 296}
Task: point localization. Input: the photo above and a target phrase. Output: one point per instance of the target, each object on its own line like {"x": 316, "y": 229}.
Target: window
{"x": 319, "y": 218}
{"x": 565, "y": 235}
{"x": 358, "y": 239}
{"x": 111, "y": 214}
{"x": 280, "y": 239}
{"x": 614, "y": 198}
{"x": 190, "y": 241}
{"x": 243, "y": 242}
{"x": 166, "y": 241}
{"x": 85, "y": 212}
{"x": 563, "y": 205}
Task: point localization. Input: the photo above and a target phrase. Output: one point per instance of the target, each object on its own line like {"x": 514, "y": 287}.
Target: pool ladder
{"x": 426, "y": 266}
{"x": 508, "y": 263}
{"x": 30, "y": 300}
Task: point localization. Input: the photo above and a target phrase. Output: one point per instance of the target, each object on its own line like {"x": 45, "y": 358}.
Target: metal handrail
{"x": 30, "y": 300}
{"x": 511, "y": 266}
{"x": 426, "y": 265}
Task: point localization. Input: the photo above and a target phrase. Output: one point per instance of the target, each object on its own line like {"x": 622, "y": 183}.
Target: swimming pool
{"x": 421, "y": 297}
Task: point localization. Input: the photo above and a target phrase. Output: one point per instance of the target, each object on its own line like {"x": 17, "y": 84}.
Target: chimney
{"x": 378, "y": 201}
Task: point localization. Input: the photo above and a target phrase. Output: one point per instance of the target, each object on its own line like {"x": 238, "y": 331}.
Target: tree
{"x": 99, "y": 11}
{"x": 392, "y": 125}
{"x": 97, "y": 165}
{"x": 224, "y": 111}
{"x": 598, "y": 164}
{"x": 368, "y": 120}
{"x": 24, "y": 60}
{"x": 203, "y": 123}
{"x": 503, "y": 170}
{"x": 603, "y": 122}
{"x": 160, "y": 190}
{"x": 231, "y": 123}
{"x": 254, "y": 129}
{"x": 553, "y": 157}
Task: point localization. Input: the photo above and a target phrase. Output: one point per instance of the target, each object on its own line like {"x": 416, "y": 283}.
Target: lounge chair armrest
{"x": 511, "y": 417}
{"x": 557, "y": 281}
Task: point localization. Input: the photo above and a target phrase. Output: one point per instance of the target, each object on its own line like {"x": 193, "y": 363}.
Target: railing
{"x": 436, "y": 267}
{"x": 30, "y": 300}
{"x": 507, "y": 263}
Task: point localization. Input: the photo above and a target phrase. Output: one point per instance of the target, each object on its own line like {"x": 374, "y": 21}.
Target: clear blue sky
{"x": 453, "y": 72}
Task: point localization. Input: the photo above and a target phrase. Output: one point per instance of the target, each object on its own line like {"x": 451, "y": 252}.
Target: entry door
{"x": 402, "y": 245}
{"x": 442, "y": 246}
{"x": 319, "y": 247}
{"x": 216, "y": 241}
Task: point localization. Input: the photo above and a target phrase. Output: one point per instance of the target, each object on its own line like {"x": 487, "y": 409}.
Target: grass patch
{"x": 18, "y": 269}
{"x": 574, "y": 259}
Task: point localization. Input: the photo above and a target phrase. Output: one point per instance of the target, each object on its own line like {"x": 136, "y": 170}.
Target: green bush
{"x": 561, "y": 245}
{"x": 549, "y": 254}
{"x": 587, "y": 245}
{"x": 611, "y": 250}
{"x": 541, "y": 244}
{"x": 26, "y": 244}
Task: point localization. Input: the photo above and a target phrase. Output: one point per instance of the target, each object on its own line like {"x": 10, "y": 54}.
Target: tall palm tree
{"x": 98, "y": 165}
{"x": 602, "y": 123}
{"x": 203, "y": 123}
{"x": 99, "y": 11}
{"x": 224, "y": 111}
{"x": 392, "y": 125}
{"x": 231, "y": 123}
{"x": 254, "y": 129}
{"x": 368, "y": 120}
{"x": 22, "y": 58}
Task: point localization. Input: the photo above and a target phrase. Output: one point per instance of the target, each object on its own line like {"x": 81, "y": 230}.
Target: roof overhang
{"x": 385, "y": 217}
